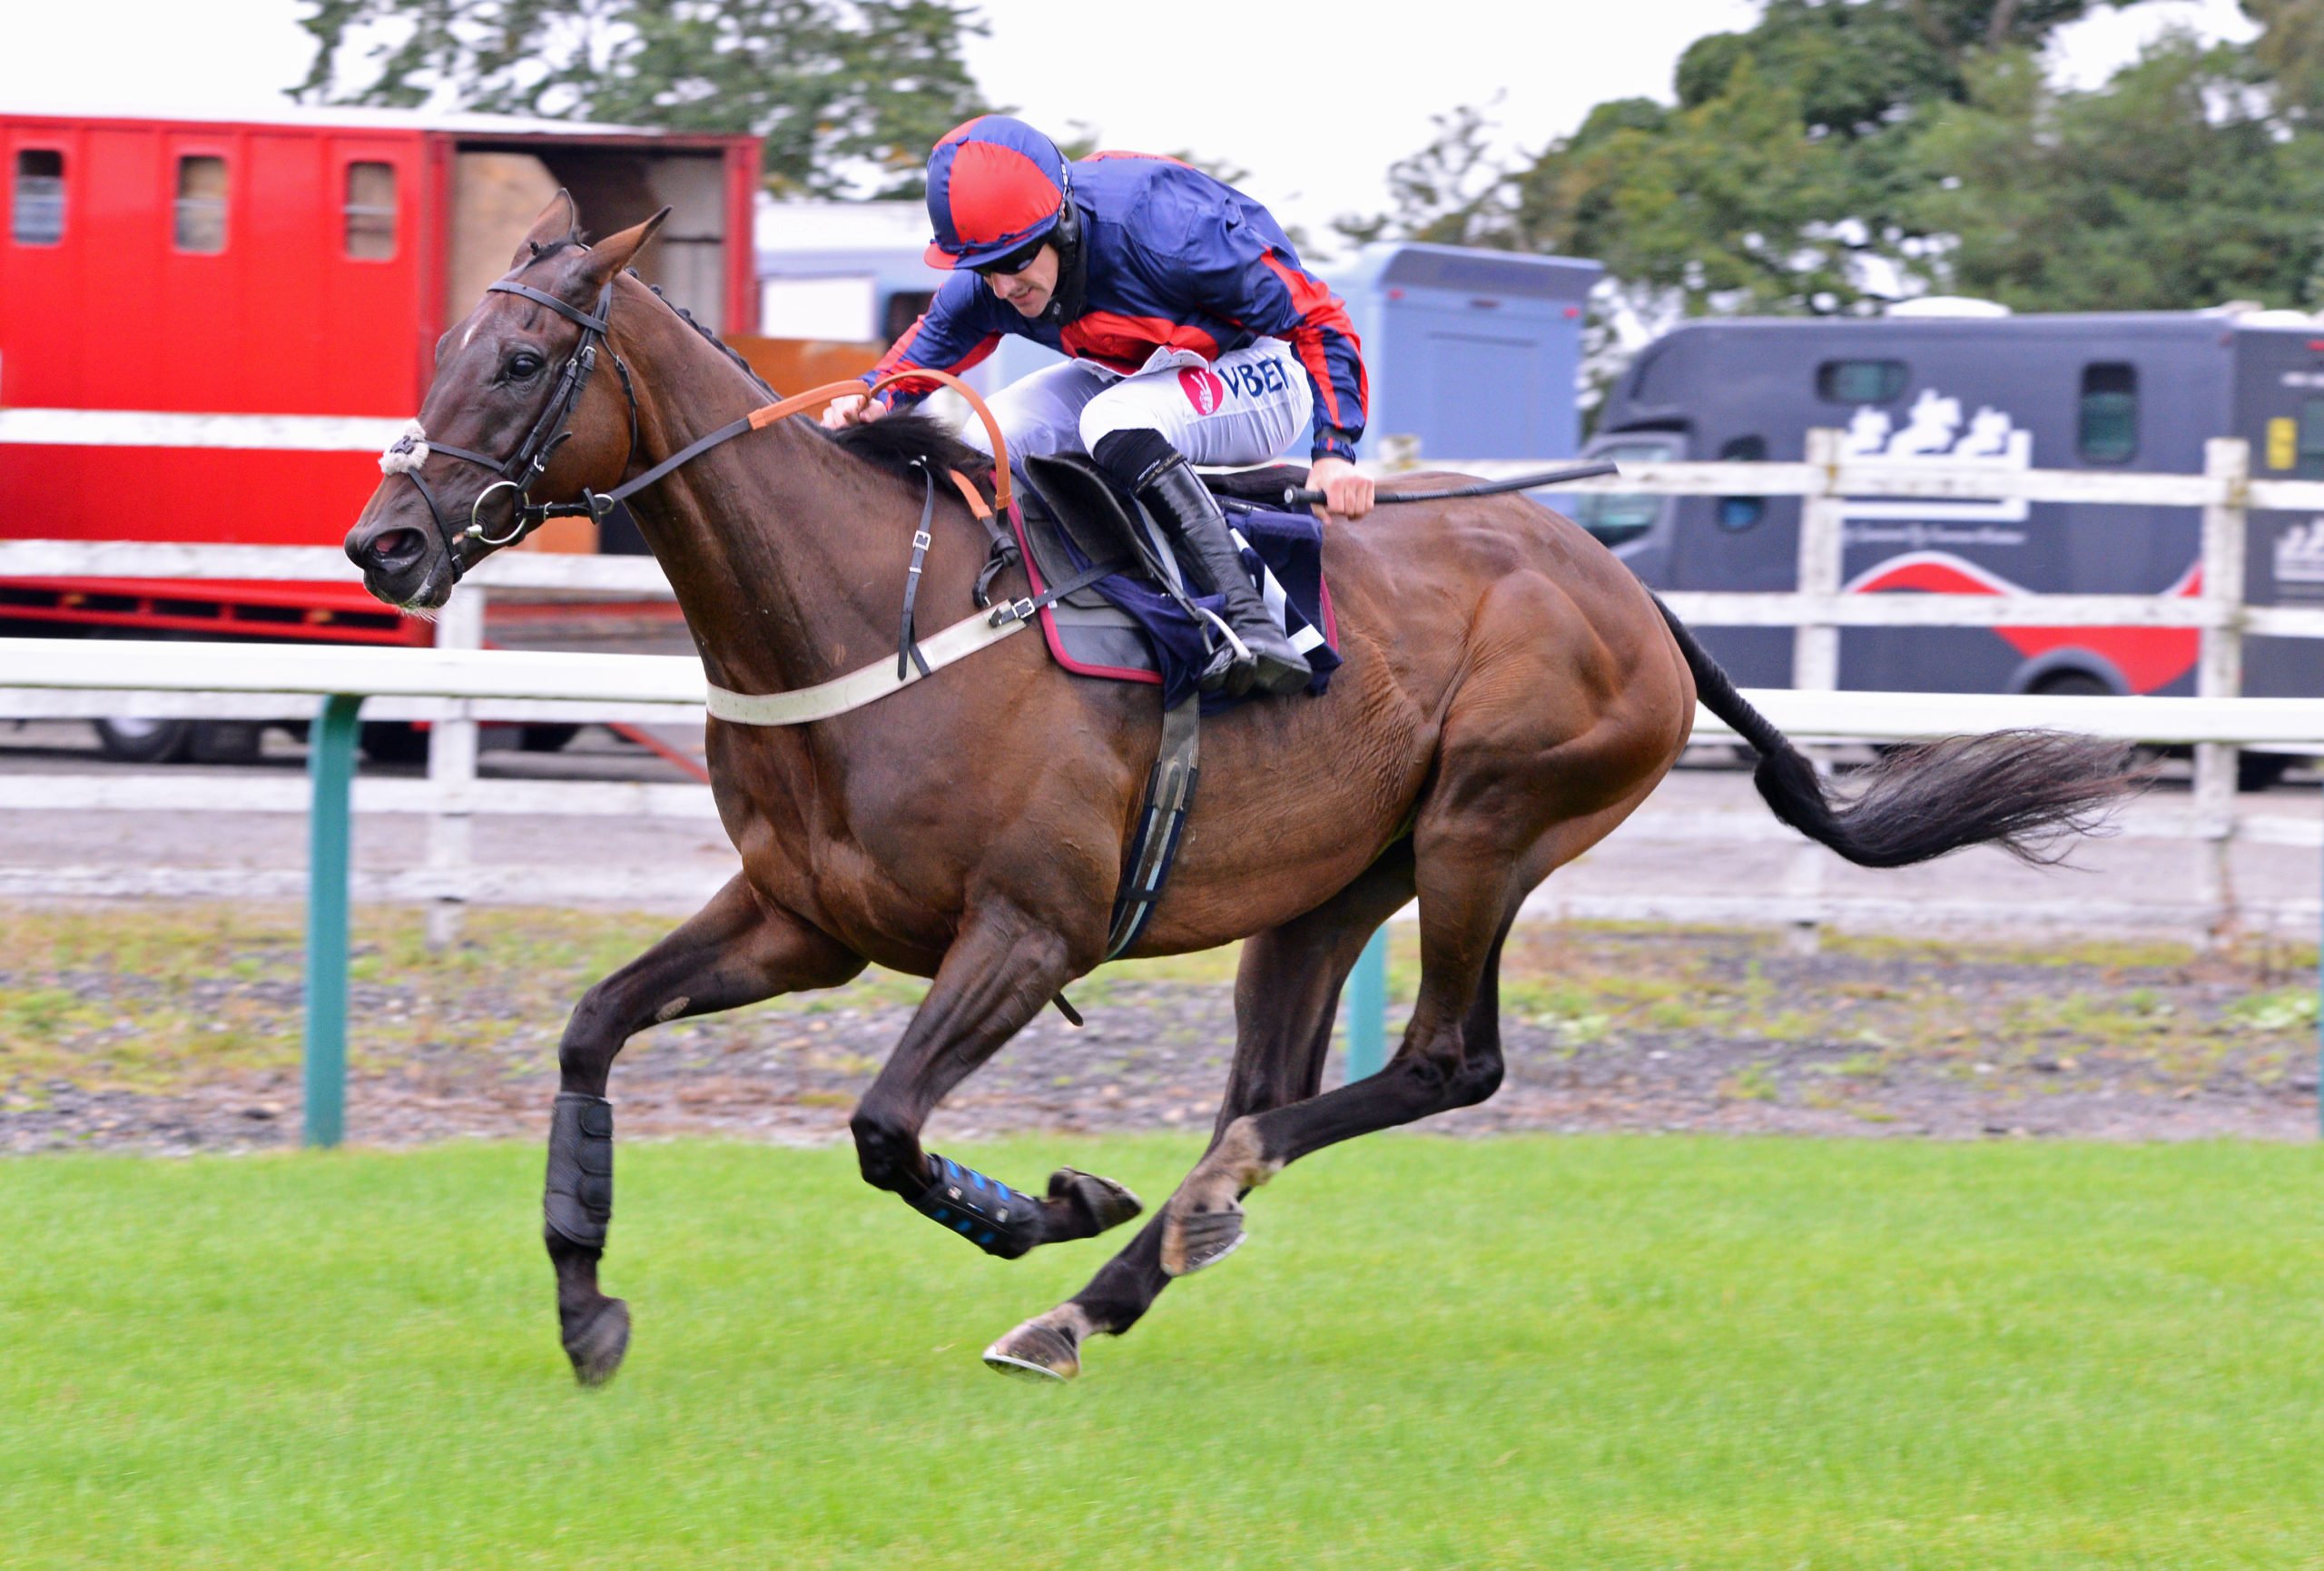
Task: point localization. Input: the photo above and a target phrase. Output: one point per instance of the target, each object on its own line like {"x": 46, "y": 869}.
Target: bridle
{"x": 522, "y": 468}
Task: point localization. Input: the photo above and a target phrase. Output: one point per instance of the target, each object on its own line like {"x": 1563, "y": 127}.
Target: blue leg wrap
{"x": 998, "y": 1220}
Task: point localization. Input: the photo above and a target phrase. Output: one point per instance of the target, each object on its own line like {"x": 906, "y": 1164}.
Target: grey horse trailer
{"x": 2131, "y": 391}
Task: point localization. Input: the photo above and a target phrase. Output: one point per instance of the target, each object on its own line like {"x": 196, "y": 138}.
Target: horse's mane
{"x": 896, "y": 442}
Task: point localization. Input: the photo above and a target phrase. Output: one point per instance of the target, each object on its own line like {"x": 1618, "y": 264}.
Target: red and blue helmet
{"x": 995, "y": 186}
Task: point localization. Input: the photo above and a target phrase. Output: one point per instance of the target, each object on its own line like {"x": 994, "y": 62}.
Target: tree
{"x": 850, "y": 94}
{"x": 1782, "y": 180}
{"x": 2176, "y": 185}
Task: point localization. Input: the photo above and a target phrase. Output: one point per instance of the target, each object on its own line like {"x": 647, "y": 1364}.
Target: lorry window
{"x": 904, "y": 308}
{"x": 1614, "y": 515}
{"x": 2108, "y": 430}
{"x": 2311, "y": 438}
{"x": 371, "y": 212}
{"x": 1742, "y": 512}
{"x": 1860, "y": 381}
{"x": 36, "y": 216}
{"x": 200, "y": 217}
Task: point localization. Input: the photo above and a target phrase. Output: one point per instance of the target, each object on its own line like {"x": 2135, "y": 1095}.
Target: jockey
{"x": 1193, "y": 335}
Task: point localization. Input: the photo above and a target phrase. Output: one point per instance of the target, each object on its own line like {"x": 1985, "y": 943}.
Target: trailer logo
{"x": 2299, "y": 554}
{"x": 1933, "y": 435}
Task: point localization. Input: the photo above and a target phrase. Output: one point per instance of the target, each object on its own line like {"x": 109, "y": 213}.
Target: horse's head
{"x": 520, "y": 420}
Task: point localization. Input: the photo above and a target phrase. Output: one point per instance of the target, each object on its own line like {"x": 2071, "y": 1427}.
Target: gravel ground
{"x": 175, "y": 1029}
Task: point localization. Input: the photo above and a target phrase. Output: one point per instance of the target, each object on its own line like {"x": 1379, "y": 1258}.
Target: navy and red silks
{"x": 1176, "y": 267}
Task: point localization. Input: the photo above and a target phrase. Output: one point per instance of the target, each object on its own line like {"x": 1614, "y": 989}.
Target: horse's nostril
{"x": 396, "y": 545}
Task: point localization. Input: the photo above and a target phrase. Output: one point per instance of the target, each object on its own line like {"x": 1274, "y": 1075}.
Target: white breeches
{"x": 1243, "y": 408}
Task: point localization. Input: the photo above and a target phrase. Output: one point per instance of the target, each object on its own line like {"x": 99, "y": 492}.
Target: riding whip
{"x": 1298, "y": 497}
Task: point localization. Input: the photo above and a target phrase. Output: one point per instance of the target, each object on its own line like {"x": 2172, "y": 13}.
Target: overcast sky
{"x": 1315, "y": 101}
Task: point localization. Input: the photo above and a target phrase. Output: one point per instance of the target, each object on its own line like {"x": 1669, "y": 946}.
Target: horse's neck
{"x": 764, "y": 537}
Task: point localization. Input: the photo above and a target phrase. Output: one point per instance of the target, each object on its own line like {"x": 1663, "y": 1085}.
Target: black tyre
{"x": 544, "y": 739}
{"x": 2258, "y": 771}
{"x": 394, "y": 742}
{"x": 2073, "y": 684}
{"x": 144, "y": 741}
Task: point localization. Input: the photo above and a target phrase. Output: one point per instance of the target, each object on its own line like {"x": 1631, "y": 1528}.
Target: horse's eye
{"x": 523, "y": 367}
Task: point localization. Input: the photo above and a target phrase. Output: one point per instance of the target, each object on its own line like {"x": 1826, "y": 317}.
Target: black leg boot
{"x": 1184, "y": 505}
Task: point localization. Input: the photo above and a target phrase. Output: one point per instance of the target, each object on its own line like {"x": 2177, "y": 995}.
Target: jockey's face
{"x": 1031, "y": 288}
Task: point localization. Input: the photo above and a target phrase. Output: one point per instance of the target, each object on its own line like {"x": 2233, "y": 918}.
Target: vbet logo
{"x": 2299, "y": 554}
{"x": 1203, "y": 389}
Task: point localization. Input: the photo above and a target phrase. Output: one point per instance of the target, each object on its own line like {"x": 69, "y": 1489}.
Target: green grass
{"x": 1601, "y": 1352}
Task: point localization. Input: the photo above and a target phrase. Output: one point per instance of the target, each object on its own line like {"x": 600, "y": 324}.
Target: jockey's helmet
{"x": 995, "y": 188}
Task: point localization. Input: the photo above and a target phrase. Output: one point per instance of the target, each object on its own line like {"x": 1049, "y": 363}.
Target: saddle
{"x": 1142, "y": 622}
{"x": 1133, "y": 625}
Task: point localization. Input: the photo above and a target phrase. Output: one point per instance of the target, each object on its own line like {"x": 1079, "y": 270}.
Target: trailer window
{"x": 2108, "y": 432}
{"x": 2311, "y": 438}
{"x": 1742, "y": 512}
{"x": 199, "y": 220}
{"x": 1615, "y": 516}
{"x": 904, "y": 308}
{"x": 371, "y": 212}
{"x": 38, "y": 214}
{"x": 1860, "y": 381}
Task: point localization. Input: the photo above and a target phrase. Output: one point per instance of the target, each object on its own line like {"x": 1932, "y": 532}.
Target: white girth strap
{"x": 857, "y": 688}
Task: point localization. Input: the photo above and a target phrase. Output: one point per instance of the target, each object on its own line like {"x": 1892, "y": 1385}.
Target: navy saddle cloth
{"x": 1125, "y": 629}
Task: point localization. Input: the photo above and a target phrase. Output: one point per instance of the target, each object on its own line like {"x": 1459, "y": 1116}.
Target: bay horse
{"x": 1511, "y": 694}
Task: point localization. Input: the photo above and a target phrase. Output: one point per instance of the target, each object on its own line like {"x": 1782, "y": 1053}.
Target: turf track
{"x": 1603, "y": 1353}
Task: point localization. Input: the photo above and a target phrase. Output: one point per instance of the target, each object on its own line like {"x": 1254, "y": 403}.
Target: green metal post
{"x": 330, "y": 769}
{"x": 1367, "y": 1010}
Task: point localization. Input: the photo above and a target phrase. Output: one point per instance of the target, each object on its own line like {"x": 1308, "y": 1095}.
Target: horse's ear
{"x": 559, "y": 221}
{"x": 611, "y": 254}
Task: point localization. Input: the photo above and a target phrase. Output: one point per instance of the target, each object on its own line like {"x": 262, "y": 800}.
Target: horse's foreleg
{"x": 1286, "y": 995}
{"x": 733, "y": 951}
{"x": 999, "y": 972}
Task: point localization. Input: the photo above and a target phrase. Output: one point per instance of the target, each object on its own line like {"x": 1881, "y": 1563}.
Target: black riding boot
{"x": 1184, "y": 505}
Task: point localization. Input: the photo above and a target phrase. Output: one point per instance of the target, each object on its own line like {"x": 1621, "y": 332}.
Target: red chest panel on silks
{"x": 1136, "y": 344}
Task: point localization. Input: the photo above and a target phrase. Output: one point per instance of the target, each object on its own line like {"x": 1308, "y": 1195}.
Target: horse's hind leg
{"x": 1286, "y": 994}
{"x": 733, "y": 951}
{"x": 1450, "y": 1057}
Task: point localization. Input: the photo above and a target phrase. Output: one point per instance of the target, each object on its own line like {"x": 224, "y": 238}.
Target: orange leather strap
{"x": 814, "y": 398}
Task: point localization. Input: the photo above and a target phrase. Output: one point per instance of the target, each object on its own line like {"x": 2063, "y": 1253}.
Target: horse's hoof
{"x": 1192, "y": 1239}
{"x": 596, "y": 1347}
{"x": 1100, "y": 1200}
{"x": 1034, "y": 1351}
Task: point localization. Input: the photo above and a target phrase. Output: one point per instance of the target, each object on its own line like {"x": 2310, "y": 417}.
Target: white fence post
{"x": 451, "y": 770}
{"x": 1815, "y": 656}
{"x": 2218, "y": 673}
{"x": 1816, "y": 649}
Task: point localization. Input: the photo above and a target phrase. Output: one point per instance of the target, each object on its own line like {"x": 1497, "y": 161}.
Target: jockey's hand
{"x": 851, "y": 411}
{"x": 1347, "y": 491}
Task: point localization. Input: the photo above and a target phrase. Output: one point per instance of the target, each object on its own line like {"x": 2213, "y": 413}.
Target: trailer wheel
{"x": 394, "y": 742}
{"x": 546, "y": 738}
{"x": 137, "y": 740}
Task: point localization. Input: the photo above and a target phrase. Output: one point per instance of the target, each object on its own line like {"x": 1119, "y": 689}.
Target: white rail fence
{"x": 55, "y": 677}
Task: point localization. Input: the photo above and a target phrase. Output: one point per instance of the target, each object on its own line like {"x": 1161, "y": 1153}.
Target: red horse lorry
{"x": 296, "y": 267}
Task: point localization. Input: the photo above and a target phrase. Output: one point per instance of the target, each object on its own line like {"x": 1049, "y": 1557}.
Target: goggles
{"x": 1017, "y": 260}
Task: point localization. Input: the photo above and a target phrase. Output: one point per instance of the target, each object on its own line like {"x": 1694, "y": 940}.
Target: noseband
{"x": 522, "y": 468}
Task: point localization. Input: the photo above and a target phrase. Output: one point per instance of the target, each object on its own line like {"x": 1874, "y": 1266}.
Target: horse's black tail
{"x": 2025, "y": 791}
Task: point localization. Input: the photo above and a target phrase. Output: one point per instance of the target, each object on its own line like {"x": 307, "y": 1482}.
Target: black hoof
{"x": 1034, "y": 1351}
{"x": 1099, "y": 1203}
{"x": 596, "y": 1346}
{"x": 1197, "y": 1239}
